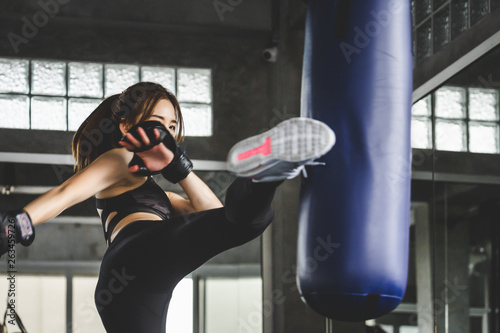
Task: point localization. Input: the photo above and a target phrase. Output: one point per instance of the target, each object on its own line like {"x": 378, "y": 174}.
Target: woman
{"x": 155, "y": 238}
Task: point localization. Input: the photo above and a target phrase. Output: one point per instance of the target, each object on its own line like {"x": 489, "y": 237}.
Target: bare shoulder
{"x": 115, "y": 163}
{"x": 109, "y": 168}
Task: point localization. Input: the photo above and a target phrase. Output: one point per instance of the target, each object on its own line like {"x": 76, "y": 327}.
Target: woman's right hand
{"x": 15, "y": 227}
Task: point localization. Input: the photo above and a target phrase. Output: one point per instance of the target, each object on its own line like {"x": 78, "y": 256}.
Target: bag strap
{"x": 3, "y": 327}
{"x": 5, "y": 315}
{"x": 19, "y": 322}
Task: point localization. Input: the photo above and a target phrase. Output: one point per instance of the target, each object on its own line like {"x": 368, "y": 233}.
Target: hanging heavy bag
{"x": 354, "y": 215}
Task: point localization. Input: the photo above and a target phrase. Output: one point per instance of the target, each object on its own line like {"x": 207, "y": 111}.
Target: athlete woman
{"x": 155, "y": 238}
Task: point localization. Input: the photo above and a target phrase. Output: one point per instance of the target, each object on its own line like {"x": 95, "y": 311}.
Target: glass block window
{"x": 78, "y": 111}
{"x": 464, "y": 119}
{"x": 85, "y": 79}
{"x": 450, "y": 103}
{"x": 194, "y": 91}
{"x": 14, "y": 111}
{"x": 421, "y": 125}
{"x": 194, "y": 85}
{"x": 483, "y": 104}
{"x": 48, "y": 113}
{"x": 59, "y": 95}
{"x": 14, "y": 76}
{"x": 459, "y": 17}
{"x": 483, "y": 138}
{"x": 421, "y": 9}
{"x": 119, "y": 77}
{"x": 441, "y": 34}
{"x": 424, "y": 40}
{"x": 48, "y": 78}
{"x": 162, "y": 75}
{"x": 199, "y": 115}
{"x": 437, "y": 22}
{"x": 479, "y": 9}
{"x": 451, "y": 135}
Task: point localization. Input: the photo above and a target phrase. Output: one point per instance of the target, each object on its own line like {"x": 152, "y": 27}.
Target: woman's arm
{"x": 106, "y": 170}
{"x": 200, "y": 196}
{"x": 167, "y": 157}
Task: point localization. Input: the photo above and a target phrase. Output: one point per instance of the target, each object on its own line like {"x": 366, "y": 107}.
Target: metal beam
{"x": 66, "y": 159}
{"x": 416, "y": 175}
{"x": 455, "y": 178}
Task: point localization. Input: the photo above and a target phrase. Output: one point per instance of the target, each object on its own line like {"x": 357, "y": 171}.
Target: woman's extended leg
{"x": 249, "y": 203}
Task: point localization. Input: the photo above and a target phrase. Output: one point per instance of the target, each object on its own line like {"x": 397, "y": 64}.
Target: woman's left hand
{"x": 155, "y": 158}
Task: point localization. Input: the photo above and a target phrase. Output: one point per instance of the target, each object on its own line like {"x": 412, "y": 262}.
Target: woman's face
{"x": 164, "y": 112}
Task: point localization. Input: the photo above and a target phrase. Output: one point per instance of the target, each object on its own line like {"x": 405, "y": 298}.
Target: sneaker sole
{"x": 293, "y": 140}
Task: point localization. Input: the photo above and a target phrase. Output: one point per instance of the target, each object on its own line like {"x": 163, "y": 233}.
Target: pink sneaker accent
{"x": 281, "y": 152}
{"x": 264, "y": 149}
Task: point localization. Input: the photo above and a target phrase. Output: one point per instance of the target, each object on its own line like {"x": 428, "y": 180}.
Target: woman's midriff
{"x": 130, "y": 219}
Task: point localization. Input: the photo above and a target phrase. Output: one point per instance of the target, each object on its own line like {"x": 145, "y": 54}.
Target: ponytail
{"x": 99, "y": 133}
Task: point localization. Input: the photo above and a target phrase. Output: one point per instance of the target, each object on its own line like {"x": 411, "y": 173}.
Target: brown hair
{"x": 100, "y": 132}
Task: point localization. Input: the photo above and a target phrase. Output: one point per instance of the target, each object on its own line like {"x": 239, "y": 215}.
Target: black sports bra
{"x": 149, "y": 198}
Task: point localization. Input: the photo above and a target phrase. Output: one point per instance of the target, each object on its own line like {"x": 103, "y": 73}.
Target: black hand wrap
{"x": 148, "y": 127}
{"x": 15, "y": 227}
{"x": 179, "y": 168}
{"x": 176, "y": 170}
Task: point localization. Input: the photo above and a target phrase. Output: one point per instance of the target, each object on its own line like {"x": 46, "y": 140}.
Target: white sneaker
{"x": 282, "y": 152}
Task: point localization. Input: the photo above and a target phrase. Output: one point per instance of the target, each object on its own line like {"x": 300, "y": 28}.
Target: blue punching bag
{"x": 352, "y": 260}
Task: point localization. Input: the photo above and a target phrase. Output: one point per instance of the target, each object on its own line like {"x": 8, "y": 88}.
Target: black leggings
{"x": 147, "y": 259}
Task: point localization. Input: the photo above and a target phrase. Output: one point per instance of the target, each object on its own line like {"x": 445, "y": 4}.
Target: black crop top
{"x": 149, "y": 198}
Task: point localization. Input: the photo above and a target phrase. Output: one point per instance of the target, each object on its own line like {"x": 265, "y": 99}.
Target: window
{"x": 59, "y": 95}
{"x": 232, "y": 304}
{"x": 40, "y": 301}
{"x": 180, "y": 310}
{"x": 464, "y": 119}
{"x": 436, "y": 23}
{"x": 421, "y": 124}
{"x": 85, "y": 316}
